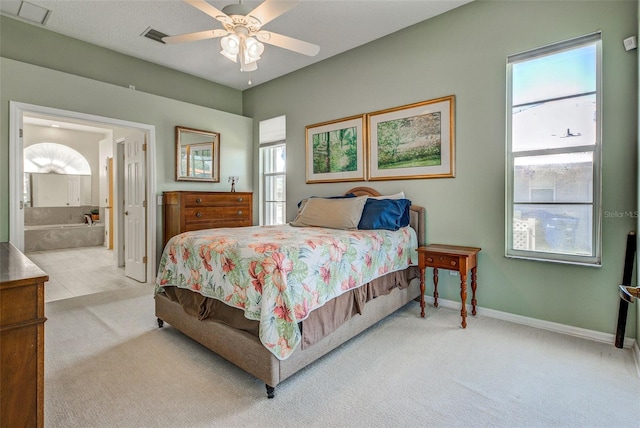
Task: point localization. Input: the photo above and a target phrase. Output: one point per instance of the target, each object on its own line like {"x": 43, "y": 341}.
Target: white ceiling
{"x": 336, "y": 26}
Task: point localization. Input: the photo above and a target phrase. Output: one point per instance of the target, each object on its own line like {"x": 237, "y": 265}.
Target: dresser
{"x": 185, "y": 211}
{"x": 21, "y": 339}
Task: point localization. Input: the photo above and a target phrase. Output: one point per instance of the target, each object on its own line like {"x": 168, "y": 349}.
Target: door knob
{"x": 126, "y": 213}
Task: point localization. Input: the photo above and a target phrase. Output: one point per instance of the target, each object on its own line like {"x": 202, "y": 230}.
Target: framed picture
{"x": 335, "y": 150}
{"x": 412, "y": 141}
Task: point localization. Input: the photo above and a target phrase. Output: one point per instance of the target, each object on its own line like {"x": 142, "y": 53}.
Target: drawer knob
{"x": 430, "y": 259}
{"x": 453, "y": 263}
{"x": 198, "y": 200}
{"x": 239, "y": 212}
{"x": 239, "y": 199}
{"x": 198, "y": 214}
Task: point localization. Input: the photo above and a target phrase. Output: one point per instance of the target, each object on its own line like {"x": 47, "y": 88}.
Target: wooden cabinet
{"x": 186, "y": 211}
{"x": 21, "y": 339}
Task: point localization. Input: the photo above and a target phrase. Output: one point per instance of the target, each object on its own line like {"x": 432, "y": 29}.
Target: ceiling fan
{"x": 242, "y": 36}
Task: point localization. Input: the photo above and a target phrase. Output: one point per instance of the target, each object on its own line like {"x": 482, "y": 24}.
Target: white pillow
{"x": 399, "y": 195}
{"x": 332, "y": 213}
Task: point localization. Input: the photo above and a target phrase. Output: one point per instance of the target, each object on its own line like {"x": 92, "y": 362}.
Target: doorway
{"x": 124, "y": 129}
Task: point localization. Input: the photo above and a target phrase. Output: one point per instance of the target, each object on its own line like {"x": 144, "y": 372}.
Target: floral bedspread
{"x": 278, "y": 274}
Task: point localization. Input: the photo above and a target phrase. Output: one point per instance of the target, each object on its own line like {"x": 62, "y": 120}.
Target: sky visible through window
{"x": 542, "y": 117}
{"x": 557, "y": 75}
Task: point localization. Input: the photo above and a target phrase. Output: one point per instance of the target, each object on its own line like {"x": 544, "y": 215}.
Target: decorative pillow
{"x": 389, "y": 214}
{"x": 343, "y": 213}
{"x": 399, "y": 195}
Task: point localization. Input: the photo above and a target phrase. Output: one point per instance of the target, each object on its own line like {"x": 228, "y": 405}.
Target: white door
{"x": 17, "y": 178}
{"x": 135, "y": 251}
{"x": 74, "y": 190}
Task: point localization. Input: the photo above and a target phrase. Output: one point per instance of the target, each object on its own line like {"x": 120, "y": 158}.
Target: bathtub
{"x": 44, "y": 237}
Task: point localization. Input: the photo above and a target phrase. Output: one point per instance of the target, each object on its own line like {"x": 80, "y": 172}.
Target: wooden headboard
{"x": 417, "y": 213}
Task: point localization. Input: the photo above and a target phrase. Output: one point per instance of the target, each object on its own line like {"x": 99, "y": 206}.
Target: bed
{"x": 273, "y": 299}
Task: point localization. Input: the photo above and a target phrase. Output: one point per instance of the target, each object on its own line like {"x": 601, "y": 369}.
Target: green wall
{"x": 463, "y": 53}
{"x": 637, "y": 282}
{"x": 35, "y": 45}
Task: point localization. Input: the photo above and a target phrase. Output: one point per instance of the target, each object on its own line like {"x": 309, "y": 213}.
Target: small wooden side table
{"x": 451, "y": 257}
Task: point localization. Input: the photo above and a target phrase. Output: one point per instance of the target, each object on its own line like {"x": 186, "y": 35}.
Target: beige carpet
{"x": 109, "y": 365}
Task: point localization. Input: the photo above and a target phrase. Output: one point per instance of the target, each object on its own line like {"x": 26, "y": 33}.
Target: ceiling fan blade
{"x": 192, "y": 37}
{"x": 270, "y": 10}
{"x": 210, "y": 10}
{"x": 287, "y": 42}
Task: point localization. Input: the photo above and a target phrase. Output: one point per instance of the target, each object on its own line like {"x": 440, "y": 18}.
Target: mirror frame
{"x": 215, "y": 149}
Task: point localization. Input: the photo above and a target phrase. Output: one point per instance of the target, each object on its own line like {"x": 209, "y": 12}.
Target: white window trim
{"x": 595, "y": 260}
{"x": 263, "y": 176}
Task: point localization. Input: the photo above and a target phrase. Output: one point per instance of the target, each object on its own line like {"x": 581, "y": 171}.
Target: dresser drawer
{"x": 19, "y": 304}
{"x": 441, "y": 261}
{"x": 207, "y": 214}
{"x": 215, "y": 224}
{"x": 204, "y": 200}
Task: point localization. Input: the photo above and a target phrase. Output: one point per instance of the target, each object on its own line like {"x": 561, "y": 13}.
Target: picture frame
{"x": 412, "y": 141}
{"x": 335, "y": 150}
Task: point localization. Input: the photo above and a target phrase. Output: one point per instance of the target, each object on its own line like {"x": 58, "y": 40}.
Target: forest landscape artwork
{"x": 412, "y": 141}
{"x": 335, "y": 150}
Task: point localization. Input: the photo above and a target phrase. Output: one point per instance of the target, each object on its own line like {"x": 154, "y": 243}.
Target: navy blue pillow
{"x": 389, "y": 214}
{"x": 348, "y": 195}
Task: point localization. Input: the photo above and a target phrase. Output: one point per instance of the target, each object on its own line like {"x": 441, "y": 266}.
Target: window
{"x": 273, "y": 184}
{"x": 553, "y": 152}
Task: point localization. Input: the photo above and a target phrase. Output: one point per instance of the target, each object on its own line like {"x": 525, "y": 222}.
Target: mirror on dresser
{"x": 197, "y": 155}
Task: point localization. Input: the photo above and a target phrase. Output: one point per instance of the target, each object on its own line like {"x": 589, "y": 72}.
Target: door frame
{"x": 16, "y": 172}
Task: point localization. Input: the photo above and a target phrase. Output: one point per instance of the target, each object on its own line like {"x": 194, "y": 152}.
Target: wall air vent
{"x": 154, "y": 35}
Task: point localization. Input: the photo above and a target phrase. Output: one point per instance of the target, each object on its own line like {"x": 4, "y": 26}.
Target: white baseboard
{"x": 545, "y": 325}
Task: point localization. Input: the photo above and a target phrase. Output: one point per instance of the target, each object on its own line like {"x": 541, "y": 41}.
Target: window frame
{"x": 263, "y": 181}
{"x": 595, "y": 258}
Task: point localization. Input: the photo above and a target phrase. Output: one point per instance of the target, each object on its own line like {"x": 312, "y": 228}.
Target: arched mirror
{"x": 197, "y": 155}
{"x": 55, "y": 176}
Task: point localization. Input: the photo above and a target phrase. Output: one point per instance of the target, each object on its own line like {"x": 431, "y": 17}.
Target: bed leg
{"x": 271, "y": 391}
{"x": 160, "y": 323}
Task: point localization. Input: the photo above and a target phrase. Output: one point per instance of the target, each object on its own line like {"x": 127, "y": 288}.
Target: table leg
{"x": 474, "y": 285}
{"x": 435, "y": 287}
{"x": 422, "y": 305}
{"x": 463, "y": 298}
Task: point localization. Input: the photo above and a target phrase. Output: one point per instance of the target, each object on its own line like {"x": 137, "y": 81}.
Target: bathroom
{"x": 62, "y": 186}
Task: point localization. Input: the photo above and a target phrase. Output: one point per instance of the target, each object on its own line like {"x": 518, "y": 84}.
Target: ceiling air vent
{"x": 25, "y": 10}
{"x": 154, "y": 35}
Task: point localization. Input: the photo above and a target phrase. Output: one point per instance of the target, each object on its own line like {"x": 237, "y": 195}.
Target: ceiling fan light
{"x": 253, "y": 66}
{"x": 253, "y": 50}
{"x": 230, "y": 45}
{"x": 231, "y": 57}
